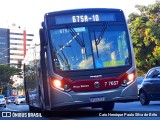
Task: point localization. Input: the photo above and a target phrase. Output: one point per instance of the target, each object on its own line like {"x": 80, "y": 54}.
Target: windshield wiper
{"x": 101, "y": 34}
{"x": 96, "y": 45}
{"x": 75, "y": 36}
{"x": 67, "y": 62}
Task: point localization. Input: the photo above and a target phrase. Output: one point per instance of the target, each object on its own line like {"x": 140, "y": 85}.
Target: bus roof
{"x": 85, "y": 10}
{"x": 65, "y": 16}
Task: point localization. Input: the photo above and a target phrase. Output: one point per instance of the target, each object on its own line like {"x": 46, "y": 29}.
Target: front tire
{"x": 109, "y": 106}
{"x": 33, "y": 109}
{"x": 144, "y": 100}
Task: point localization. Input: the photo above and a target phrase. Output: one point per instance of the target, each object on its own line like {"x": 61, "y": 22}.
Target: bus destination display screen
{"x": 80, "y": 18}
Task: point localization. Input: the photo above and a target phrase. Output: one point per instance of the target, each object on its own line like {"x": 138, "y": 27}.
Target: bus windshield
{"x": 90, "y": 47}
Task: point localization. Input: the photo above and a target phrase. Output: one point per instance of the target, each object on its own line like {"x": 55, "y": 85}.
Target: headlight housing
{"x": 129, "y": 78}
{"x": 60, "y": 84}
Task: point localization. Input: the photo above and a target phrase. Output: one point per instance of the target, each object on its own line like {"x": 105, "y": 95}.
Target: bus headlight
{"x": 129, "y": 79}
{"x": 56, "y": 83}
{"x": 59, "y": 84}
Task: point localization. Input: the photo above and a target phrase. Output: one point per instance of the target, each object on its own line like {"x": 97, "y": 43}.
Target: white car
{"x": 20, "y": 99}
{"x": 2, "y": 101}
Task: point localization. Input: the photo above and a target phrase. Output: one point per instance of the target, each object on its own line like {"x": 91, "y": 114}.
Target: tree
{"x": 145, "y": 34}
{"x": 6, "y": 72}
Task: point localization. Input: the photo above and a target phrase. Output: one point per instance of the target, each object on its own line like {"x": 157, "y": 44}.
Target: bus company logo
{"x": 96, "y": 84}
{"x": 95, "y": 76}
{"x": 6, "y": 114}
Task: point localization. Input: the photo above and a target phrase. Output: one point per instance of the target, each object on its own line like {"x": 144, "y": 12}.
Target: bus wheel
{"x": 32, "y": 109}
{"x": 143, "y": 98}
{"x": 108, "y": 106}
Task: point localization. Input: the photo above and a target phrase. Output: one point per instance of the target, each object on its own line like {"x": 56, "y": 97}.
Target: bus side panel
{"x": 44, "y": 85}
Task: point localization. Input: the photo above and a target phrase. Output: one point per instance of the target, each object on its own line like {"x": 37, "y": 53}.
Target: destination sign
{"x": 81, "y": 18}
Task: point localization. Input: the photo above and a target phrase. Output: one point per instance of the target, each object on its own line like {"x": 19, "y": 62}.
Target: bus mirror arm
{"x": 43, "y": 40}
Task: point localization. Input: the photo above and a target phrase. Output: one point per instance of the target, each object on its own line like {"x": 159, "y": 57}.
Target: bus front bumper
{"x": 86, "y": 99}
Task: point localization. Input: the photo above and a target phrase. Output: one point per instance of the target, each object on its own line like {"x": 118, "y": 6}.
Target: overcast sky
{"x": 29, "y": 13}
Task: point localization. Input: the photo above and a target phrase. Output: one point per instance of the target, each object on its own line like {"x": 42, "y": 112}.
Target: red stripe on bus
{"x": 96, "y": 83}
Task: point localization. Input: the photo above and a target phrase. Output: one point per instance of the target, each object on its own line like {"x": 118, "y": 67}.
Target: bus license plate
{"x": 97, "y": 99}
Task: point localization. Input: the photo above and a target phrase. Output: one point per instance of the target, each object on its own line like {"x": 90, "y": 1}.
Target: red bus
{"x": 85, "y": 59}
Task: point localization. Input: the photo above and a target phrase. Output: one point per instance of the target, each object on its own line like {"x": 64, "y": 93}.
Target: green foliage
{"x": 6, "y": 72}
{"x": 145, "y": 34}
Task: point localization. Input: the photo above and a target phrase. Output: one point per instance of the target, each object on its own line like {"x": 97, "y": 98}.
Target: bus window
{"x": 70, "y": 53}
{"x": 112, "y": 49}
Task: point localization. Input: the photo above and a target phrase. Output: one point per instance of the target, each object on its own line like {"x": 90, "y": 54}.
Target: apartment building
{"x": 13, "y": 45}
{"x": 20, "y": 41}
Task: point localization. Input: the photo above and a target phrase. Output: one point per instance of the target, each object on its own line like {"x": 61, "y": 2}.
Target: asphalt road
{"x": 122, "y": 111}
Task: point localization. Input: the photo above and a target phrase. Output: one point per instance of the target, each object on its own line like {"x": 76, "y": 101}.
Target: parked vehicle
{"x": 2, "y": 101}
{"x": 139, "y": 81}
{"x": 150, "y": 87}
{"x": 20, "y": 99}
{"x": 10, "y": 99}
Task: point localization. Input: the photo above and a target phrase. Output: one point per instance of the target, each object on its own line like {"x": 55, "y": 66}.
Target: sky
{"x": 28, "y": 14}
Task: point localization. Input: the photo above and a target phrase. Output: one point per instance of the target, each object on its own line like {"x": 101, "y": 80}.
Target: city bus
{"x": 84, "y": 58}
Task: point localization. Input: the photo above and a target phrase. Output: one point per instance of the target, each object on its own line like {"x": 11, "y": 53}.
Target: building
{"x": 13, "y": 45}
{"x": 4, "y": 46}
{"x": 20, "y": 41}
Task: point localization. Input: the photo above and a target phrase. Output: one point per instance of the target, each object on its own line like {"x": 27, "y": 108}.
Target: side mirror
{"x": 43, "y": 40}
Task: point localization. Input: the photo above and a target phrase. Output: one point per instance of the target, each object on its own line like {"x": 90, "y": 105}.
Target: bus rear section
{"x": 86, "y": 59}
